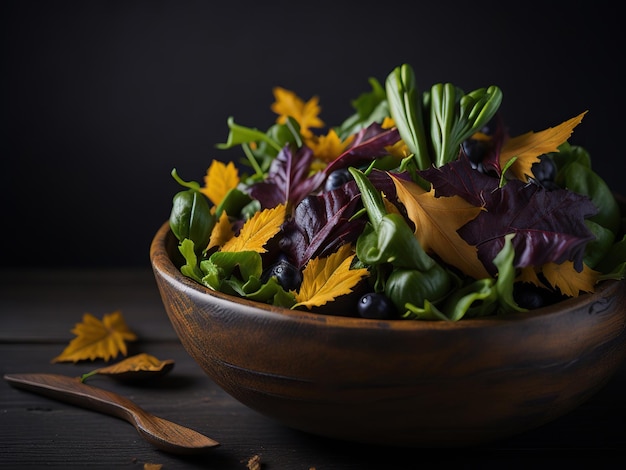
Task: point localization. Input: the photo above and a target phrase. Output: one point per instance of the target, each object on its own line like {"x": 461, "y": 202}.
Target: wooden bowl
{"x": 399, "y": 382}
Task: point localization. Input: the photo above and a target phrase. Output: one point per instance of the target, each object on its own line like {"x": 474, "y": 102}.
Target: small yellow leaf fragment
{"x": 254, "y": 463}
{"x": 257, "y": 231}
{"x": 219, "y": 179}
{"x": 529, "y": 275}
{"x": 530, "y": 146}
{"x": 569, "y": 281}
{"x": 325, "y": 279}
{"x": 328, "y": 147}
{"x": 152, "y": 466}
{"x": 288, "y": 104}
{"x": 97, "y": 339}
{"x": 222, "y": 232}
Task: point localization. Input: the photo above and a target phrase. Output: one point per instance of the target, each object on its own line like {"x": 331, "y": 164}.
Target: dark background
{"x": 101, "y": 99}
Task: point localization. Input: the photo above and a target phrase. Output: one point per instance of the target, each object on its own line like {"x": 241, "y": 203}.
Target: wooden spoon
{"x": 163, "y": 434}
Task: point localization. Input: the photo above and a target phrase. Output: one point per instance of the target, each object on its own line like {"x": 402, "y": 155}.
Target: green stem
{"x": 405, "y": 109}
{"x": 258, "y": 171}
{"x": 187, "y": 184}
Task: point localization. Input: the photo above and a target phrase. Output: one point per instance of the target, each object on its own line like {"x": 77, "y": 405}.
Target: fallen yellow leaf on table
{"x": 136, "y": 367}
{"x": 97, "y": 339}
{"x": 152, "y": 466}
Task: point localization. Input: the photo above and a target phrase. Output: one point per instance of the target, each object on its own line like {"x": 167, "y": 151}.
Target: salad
{"x": 419, "y": 206}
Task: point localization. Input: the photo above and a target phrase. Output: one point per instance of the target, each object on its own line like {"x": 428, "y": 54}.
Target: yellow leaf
{"x": 388, "y": 123}
{"x": 399, "y": 149}
{"x": 222, "y": 232}
{"x": 324, "y": 279}
{"x": 437, "y": 220}
{"x": 152, "y": 466}
{"x": 97, "y": 339}
{"x": 569, "y": 281}
{"x": 288, "y": 104}
{"x": 328, "y": 147}
{"x": 390, "y": 207}
{"x": 257, "y": 231}
{"x": 219, "y": 179}
{"x": 135, "y": 367}
{"x": 530, "y": 146}
{"x": 529, "y": 274}
{"x": 254, "y": 463}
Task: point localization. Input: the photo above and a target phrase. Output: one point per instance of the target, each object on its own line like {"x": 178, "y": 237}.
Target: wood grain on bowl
{"x": 397, "y": 382}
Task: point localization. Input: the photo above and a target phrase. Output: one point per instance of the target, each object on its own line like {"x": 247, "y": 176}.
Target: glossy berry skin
{"x": 376, "y": 306}
{"x": 337, "y": 179}
{"x": 475, "y": 150}
{"x": 544, "y": 172}
{"x": 530, "y": 296}
{"x": 287, "y": 275}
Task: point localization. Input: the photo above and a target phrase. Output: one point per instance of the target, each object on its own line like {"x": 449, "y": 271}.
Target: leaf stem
{"x": 187, "y": 184}
{"x": 258, "y": 171}
{"x": 405, "y": 109}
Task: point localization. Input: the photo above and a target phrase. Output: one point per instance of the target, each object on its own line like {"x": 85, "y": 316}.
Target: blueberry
{"x": 544, "y": 170}
{"x": 378, "y": 306}
{"x": 475, "y": 150}
{"x": 287, "y": 275}
{"x": 530, "y": 296}
{"x": 337, "y": 179}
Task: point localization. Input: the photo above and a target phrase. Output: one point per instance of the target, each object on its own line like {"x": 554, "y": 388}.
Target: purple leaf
{"x": 369, "y": 144}
{"x": 288, "y": 180}
{"x": 491, "y": 161}
{"x": 549, "y": 226}
{"x": 383, "y": 182}
{"x": 320, "y": 224}
{"x": 458, "y": 178}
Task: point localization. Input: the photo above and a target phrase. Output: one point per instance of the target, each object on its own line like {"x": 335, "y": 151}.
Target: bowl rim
{"x": 163, "y": 266}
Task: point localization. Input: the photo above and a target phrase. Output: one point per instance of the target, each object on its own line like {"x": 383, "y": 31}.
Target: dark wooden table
{"x": 38, "y": 308}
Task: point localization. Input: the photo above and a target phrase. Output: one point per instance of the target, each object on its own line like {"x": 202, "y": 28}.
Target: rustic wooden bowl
{"x": 405, "y": 383}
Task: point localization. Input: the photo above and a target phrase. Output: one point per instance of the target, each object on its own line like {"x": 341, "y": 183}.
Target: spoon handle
{"x": 163, "y": 434}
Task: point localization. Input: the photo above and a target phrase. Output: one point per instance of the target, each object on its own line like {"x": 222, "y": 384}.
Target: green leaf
{"x": 487, "y": 296}
{"x": 597, "y": 249}
{"x": 506, "y": 277}
{"x": 615, "y": 258}
{"x": 444, "y": 99}
{"x": 582, "y": 180}
{"x": 393, "y": 241}
{"x": 477, "y": 299}
{"x": 370, "y": 107}
{"x": 570, "y": 153}
{"x": 454, "y": 117}
{"x": 243, "y": 135}
{"x": 427, "y": 312}
{"x": 233, "y": 203}
{"x": 248, "y": 262}
{"x": 191, "y": 217}
{"x": 212, "y": 275}
{"x": 406, "y": 110}
{"x": 371, "y": 197}
{"x": 190, "y": 268}
{"x": 412, "y": 287}
{"x": 271, "y": 292}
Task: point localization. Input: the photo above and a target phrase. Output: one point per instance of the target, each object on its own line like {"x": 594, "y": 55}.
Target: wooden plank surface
{"x": 38, "y": 310}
